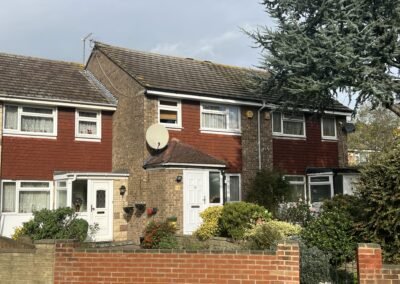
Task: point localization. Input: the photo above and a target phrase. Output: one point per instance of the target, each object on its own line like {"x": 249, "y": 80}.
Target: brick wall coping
{"x": 368, "y": 245}
{"x": 176, "y": 251}
{"x": 392, "y": 267}
{"x": 17, "y": 250}
{"x": 54, "y": 241}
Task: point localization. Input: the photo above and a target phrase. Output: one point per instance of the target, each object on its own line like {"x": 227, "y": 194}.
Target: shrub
{"x": 298, "y": 213}
{"x": 210, "y": 225}
{"x": 267, "y": 235}
{"x": 159, "y": 235}
{"x": 56, "y": 224}
{"x": 269, "y": 189}
{"x": 314, "y": 265}
{"x": 236, "y": 217}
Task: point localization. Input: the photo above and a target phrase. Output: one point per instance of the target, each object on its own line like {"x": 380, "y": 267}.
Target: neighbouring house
{"x": 220, "y": 133}
{"x": 56, "y": 145}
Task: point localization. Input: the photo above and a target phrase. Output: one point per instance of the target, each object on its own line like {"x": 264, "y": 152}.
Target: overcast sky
{"x": 207, "y": 29}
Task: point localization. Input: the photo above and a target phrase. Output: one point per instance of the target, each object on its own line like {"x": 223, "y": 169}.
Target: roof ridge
{"x": 203, "y": 61}
{"x": 41, "y": 59}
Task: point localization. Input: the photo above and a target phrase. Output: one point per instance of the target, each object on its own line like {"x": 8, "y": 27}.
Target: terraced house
{"x": 97, "y": 159}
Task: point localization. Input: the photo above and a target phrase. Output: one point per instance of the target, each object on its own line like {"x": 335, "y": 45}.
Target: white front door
{"x": 100, "y": 210}
{"x": 201, "y": 189}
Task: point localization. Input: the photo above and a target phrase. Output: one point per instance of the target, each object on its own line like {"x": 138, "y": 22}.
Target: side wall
{"x": 74, "y": 265}
{"x": 38, "y": 158}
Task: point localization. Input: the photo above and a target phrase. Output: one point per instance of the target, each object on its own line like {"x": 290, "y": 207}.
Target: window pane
{"x": 101, "y": 199}
{"x": 79, "y": 195}
{"x": 296, "y": 193}
{"x": 168, "y": 116}
{"x": 276, "y": 122}
{"x": 87, "y": 127}
{"x": 214, "y": 121}
{"x": 214, "y": 107}
{"x": 61, "y": 184}
{"x": 234, "y": 188}
{"x": 294, "y": 178}
{"x": 35, "y": 184}
{"x": 215, "y": 193}
{"x": 37, "y": 110}
{"x": 8, "y": 197}
{"x": 293, "y": 116}
{"x": 11, "y": 117}
{"x": 30, "y": 201}
{"x": 61, "y": 198}
{"x": 320, "y": 193}
{"x": 328, "y": 126}
{"x": 87, "y": 114}
{"x": 36, "y": 124}
{"x": 320, "y": 179}
{"x": 169, "y": 103}
{"x": 293, "y": 128}
{"x": 234, "y": 116}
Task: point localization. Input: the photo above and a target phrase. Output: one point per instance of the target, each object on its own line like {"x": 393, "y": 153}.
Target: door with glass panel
{"x": 202, "y": 189}
{"x": 100, "y": 209}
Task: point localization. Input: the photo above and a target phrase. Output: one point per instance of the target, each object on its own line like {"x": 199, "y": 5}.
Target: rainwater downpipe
{"x": 259, "y": 132}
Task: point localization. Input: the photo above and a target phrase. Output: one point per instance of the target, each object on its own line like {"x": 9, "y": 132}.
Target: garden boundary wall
{"x": 74, "y": 264}
{"x": 370, "y": 267}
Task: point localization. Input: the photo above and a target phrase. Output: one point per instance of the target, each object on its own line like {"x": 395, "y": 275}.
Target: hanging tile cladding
{"x": 224, "y": 147}
{"x": 293, "y": 156}
{"x": 38, "y": 158}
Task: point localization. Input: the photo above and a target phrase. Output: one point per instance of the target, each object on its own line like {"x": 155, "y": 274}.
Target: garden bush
{"x": 54, "y": 224}
{"x": 210, "y": 226}
{"x": 266, "y": 235}
{"x": 236, "y": 217}
{"x": 269, "y": 189}
{"x": 159, "y": 235}
{"x": 314, "y": 265}
{"x": 298, "y": 213}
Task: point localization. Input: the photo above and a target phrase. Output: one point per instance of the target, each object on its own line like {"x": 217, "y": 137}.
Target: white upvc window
{"x": 61, "y": 194}
{"x": 221, "y": 118}
{"x": 170, "y": 113}
{"x": 320, "y": 187}
{"x": 30, "y": 120}
{"x": 25, "y": 196}
{"x": 233, "y": 189}
{"x": 328, "y": 127}
{"x": 292, "y": 125}
{"x": 87, "y": 125}
{"x": 297, "y": 188}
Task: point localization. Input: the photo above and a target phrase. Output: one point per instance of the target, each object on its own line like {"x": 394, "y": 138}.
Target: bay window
{"x": 87, "y": 124}
{"x": 220, "y": 118}
{"x": 30, "y": 120}
{"x": 169, "y": 113}
{"x": 25, "y": 196}
{"x": 288, "y": 124}
{"x": 328, "y": 127}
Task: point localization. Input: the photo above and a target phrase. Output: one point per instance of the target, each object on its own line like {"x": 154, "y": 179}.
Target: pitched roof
{"x": 181, "y": 153}
{"x": 43, "y": 79}
{"x": 187, "y": 75}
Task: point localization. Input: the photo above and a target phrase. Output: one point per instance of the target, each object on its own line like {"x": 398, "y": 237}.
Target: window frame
{"x": 329, "y": 182}
{"x": 97, "y": 119}
{"x": 281, "y": 133}
{"x": 20, "y": 113}
{"x": 325, "y": 137}
{"x": 18, "y": 189}
{"x": 177, "y": 108}
{"x": 228, "y": 130}
{"x": 227, "y": 182}
{"x": 304, "y": 183}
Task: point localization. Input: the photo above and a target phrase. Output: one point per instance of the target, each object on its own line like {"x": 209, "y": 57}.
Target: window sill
{"x": 82, "y": 139}
{"x": 220, "y": 132}
{"x": 30, "y": 135}
{"x": 328, "y": 139}
{"x": 276, "y": 136}
{"x": 173, "y": 128}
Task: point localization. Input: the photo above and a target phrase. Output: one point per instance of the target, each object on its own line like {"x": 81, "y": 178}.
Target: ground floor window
{"x": 233, "y": 192}
{"x": 297, "y": 188}
{"x": 79, "y": 199}
{"x": 25, "y": 196}
{"x": 320, "y": 187}
{"x": 214, "y": 187}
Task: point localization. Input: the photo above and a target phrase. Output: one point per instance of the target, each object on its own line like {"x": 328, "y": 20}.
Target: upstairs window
{"x": 169, "y": 113}
{"x": 30, "y": 120}
{"x": 220, "y": 118}
{"x": 288, "y": 124}
{"x": 88, "y": 125}
{"x": 328, "y": 127}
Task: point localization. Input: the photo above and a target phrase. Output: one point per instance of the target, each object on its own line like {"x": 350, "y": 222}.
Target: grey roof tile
{"x": 37, "y": 78}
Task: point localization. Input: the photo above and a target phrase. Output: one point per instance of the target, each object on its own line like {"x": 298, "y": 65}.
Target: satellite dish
{"x": 349, "y": 127}
{"x": 157, "y": 136}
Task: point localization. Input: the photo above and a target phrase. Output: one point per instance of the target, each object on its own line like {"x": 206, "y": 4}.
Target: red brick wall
{"x": 293, "y": 156}
{"x": 92, "y": 266}
{"x": 36, "y": 158}
{"x": 370, "y": 267}
{"x": 225, "y": 147}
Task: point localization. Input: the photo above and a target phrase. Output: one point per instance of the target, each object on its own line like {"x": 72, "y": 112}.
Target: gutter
{"x": 259, "y": 132}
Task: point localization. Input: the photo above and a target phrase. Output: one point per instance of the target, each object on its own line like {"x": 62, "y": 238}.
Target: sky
{"x": 206, "y": 30}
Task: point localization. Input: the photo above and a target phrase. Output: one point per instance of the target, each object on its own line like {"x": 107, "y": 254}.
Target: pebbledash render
{"x": 76, "y": 136}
